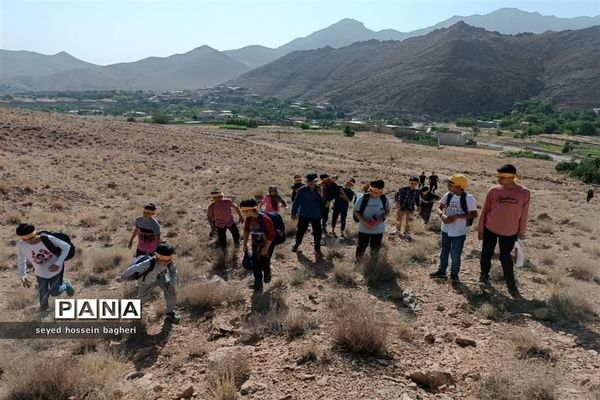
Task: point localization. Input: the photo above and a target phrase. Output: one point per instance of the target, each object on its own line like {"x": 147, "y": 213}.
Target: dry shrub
{"x": 168, "y": 216}
{"x": 228, "y": 373}
{"x": 229, "y": 261}
{"x": 205, "y": 296}
{"x": 108, "y": 259}
{"x": 7, "y": 257}
{"x": 546, "y": 227}
{"x": 548, "y": 258}
{"x": 222, "y": 387}
{"x": 21, "y": 298}
{"x": 185, "y": 272}
{"x": 299, "y": 276}
{"x": 297, "y": 322}
{"x": 344, "y": 274}
{"x": 89, "y": 219}
{"x": 594, "y": 250}
{"x": 13, "y": 218}
{"x": 91, "y": 376}
{"x": 379, "y": 270}
{"x": 269, "y": 311}
{"x": 584, "y": 271}
{"x": 489, "y": 311}
{"x": 311, "y": 352}
{"x": 188, "y": 245}
{"x": 58, "y": 205}
{"x": 572, "y": 301}
{"x": 334, "y": 251}
{"x": 522, "y": 382}
{"x": 527, "y": 345}
{"x": 359, "y": 330}
{"x": 419, "y": 251}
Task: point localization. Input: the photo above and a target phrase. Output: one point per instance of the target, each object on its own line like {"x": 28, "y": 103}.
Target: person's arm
{"x": 269, "y": 236}
{"x": 133, "y": 235}
{"x": 172, "y": 275}
{"x": 282, "y": 202}
{"x": 484, "y": 210}
{"x": 140, "y": 268}
{"x": 64, "y": 250}
{"x": 239, "y": 212}
{"x": 22, "y": 267}
{"x": 343, "y": 195}
{"x": 296, "y": 203}
{"x": 211, "y": 218}
{"x": 524, "y": 217}
{"x": 388, "y": 210}
{"x": 246, "y": 236}
{"x": 357, "y": 212}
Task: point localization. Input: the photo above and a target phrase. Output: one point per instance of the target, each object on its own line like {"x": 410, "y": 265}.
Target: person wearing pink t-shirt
{"x": 272, "y": 202}
{"x": 503, "y": 221}
{"x": 220, "y": 218}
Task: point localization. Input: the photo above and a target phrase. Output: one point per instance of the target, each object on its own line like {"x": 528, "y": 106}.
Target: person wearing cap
{"x": 340, "y": 206}
{"x": 262, "y": 238}
{"x": 371, "y": 226}
{"x": 503, "y": 221}
{"x": 307, "y": 210}
{"x": 457, "y": 210}
{"x": 331, "y": 192}
{"x": 296, "y": 186}
{"x": 155, "y": 270}
{"x": 407, "y": 202}
{"x": 48, "y": 268}
{"x": 220, "y": 218}
{"x": 272, "y": 202}
{"x": 147, "y": 230}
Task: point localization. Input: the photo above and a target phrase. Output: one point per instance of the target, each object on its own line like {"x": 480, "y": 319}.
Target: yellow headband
{"x": 27, "y": 237}
{"x": 162, "y": 258}
{"x": 249, "y": 208}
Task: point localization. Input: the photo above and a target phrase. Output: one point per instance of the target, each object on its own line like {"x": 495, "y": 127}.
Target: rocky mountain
{"x": 456, "y": 70}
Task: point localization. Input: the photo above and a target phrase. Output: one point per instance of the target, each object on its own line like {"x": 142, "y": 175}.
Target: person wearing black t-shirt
{"x": 427, "y": 199}
{"x": 433, "y": 182}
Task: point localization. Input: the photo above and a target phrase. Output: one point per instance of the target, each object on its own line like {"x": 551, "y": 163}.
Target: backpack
{"x": 54, "y": 249}
{"x": 136, "y": 275}
{"x": 463, "y": 205}
{"x": 363, "y": 205}
{"x": 277, "y": 224}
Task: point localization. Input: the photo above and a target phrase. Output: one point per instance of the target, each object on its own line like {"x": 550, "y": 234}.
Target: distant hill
{"x": 29, "y": 63}
{"x": 348, "y": 31}
{"x": 450, "y": 71}
{"x": 201, "y": 67}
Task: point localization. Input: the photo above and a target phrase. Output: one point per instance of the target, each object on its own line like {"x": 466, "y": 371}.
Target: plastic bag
{"x": 518, "y": 254}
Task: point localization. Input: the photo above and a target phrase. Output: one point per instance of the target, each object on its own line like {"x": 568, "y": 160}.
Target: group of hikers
{"x": 502, "y": 221}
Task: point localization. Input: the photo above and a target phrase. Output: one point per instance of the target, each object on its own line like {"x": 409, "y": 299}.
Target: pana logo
{"x": 97, "y": 309}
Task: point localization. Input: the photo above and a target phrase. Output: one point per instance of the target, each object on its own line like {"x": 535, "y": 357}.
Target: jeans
{"x": 303, "y": 223}
{"x": 341, "y": 212}
{"x": 452, "y": 246}
{"x": 488, "y": 246}
{"x": 425, "y": 212}
{"x": 404, "y": 216}
{"x": 50, "y": 287}
{"x": 144, "y": 291}
{"x": 222, "y": 236}
{"x": 366, "y": 239}
{"x": 262, "y": 264}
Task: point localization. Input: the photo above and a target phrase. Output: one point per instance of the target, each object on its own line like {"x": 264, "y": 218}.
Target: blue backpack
{"x": 277, "y": 223}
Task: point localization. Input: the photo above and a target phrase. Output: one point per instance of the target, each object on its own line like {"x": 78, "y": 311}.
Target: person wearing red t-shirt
{"x": 259, "y": 230}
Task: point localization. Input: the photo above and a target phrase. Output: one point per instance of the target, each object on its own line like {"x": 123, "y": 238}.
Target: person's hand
{"x": 480, "y": 235}
{"x": 446, "y": 219}
{"x": 53, "y": 268}
{"x": 264, "y": 251}
{"x": 172, "y": 290}
{"x": 521, "y": 236}
{"x": 25, "y": 282}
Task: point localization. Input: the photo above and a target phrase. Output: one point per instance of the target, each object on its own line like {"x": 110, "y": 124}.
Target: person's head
{"x": 273, "y": 190}
{"x": 350, "y": 183}
{"x": 216, "y": 195}
{"x": 249, "y": 208}
{"x": 506, "y": 175}
{"x": 149, "y": 210}
{"x": 457, "y": 183}
{"x": 425, "y": 189}
{"x": 376, "y": 188}
{"x": 325, "y": 179}
{"x": 413, "y": 182}
{"x": 423, "y": 173}
{"x": 311, "y": 180}
{"x": 164, "y": 253}
{"x": 27, "y": 233}
{"x": 297, "y": 179}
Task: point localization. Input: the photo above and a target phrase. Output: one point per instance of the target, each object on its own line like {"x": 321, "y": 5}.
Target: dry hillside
{"x": 320, "y": 330}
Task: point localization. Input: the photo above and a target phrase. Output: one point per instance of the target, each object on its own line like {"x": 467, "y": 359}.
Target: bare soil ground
{"x": 90, "y": 177}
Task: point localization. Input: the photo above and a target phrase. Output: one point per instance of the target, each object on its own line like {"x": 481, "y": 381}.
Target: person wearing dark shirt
{"x": 296, "y": 186}
{"x": 307, "y": 210}
{"x": 433, "y": 182}
{"x": 590, "y": 195}
{"x": 427, "y": 199}
{"x": 422, "y": 179}
{"x": 262, "y": 237}
{"x": 331, "y": 192}
{"x": 340, "y": 207}
{"x": 407, "y": 202}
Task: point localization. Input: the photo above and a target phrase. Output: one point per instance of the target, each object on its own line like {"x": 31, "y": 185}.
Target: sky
{"x": 110, "y": 31}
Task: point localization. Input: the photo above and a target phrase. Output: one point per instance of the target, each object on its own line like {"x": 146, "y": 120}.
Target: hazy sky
{"x": 110, "y": 31}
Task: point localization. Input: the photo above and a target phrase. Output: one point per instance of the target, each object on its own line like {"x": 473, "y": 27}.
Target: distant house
{"x": 495, "y": 124}
{"x": 596, "y": 111}
{"x": 451, "y": 139}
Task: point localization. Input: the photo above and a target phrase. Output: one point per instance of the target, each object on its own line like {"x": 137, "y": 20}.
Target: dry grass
{"x": 380, "y": 270}
{"x": 546, "y": 227}
{"x": 7, "y": 257}
{"x": 528, "y": 345}
{"x": 311, "y": 352}
{"x": 520, "y": 383}
{"x": 489, "y": 311}
{"x": 202, "y": 297}
{"x": 109, "y": 259}
{"x": 21, "y": 298}
{"x": 334, "y": 251}
{"x": 13, "y": 218}
{"x": 548, "y": 258}
{"x": 296, "y": 323}
{"x": 584, "y": 271}
{"x": 299, "y": 276}
{"x": 358, "y": 329}
{"x": 89, "y": 219}
{"x": 344, "y": 274}
{"x": 227, "y": 375}
{"x": 572, "y": 301}
{"x": 594, "y": 250}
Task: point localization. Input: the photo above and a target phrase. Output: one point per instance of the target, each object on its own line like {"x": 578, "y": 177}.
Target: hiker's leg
{"x": 144, "y": 290}
{"x": 409, "y": 219}
{"x": 488, "y": 246}
{"x": 324, "y": 217}
{"x": 334, "y": 218}
{"x": 375, "y": 244}
{"x": 257, "y": 271}
{"x": 506, "y": 244}
{"x": 301, "y": 229}
{"x": 444, "y": 252}
{"x": 399, "y": 219}
{"x": 317, "y": 233}
{"x": 426, "y": 214}
{"x": 235, "y": 234}
{"x": 170, "y": 297}
{"x": 456, "y": 247}
{"x": 56, "y": 284}
{"x": 361, "y": 247}
{"x": 265, "y": 262}
{"x": 343, "y": 216}
{"x": 222, "y": 238}
{"x": 44, "y": 292}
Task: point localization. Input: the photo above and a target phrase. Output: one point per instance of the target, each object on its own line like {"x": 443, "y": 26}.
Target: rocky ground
{"x": 427, "y": 339}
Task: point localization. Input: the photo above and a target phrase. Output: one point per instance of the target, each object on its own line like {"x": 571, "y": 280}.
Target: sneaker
{"x": 295, "y": 248}
{"x": 45, "y": 316}
{"x": 514, "y": 292}
{"x": 267, "y": 277}
{"x": 172, "y": 317}
{"x": 438, "y": 274}
{"x": 454, "y": 278}
{"x": 70, "y": 289}
{"x": 484, "y": 282}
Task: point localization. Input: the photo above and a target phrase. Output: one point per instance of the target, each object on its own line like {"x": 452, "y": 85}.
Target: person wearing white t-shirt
{"x": 457, "y": 209}
{"x": 48, "y": 267}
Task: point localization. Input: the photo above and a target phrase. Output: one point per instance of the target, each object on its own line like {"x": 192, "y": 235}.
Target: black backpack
{"x": 135, "y": 276}
{"x": 463, "y": 205}
{"x": 52, "y": 248}
{"x": 365, "y": 201}
{"x": 277, "y": 224}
